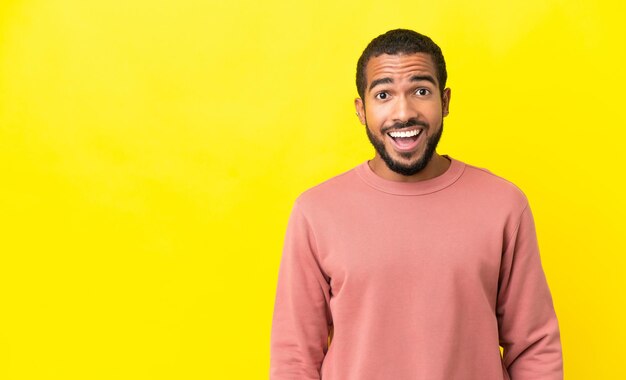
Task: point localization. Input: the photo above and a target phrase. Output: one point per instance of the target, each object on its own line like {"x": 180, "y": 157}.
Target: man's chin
{"x": 407, "y": 158}
{"x": 405, "y": 167}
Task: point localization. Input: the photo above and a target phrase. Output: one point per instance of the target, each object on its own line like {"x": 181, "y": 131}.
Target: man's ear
{"x": 445, "y": 101}
{"x": 360, "y": 109}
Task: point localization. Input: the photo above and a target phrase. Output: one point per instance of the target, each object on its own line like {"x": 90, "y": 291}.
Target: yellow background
{"x": 150, "y": 152}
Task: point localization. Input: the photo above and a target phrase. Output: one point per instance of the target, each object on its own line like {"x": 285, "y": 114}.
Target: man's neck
{"x": 435, "y": 167}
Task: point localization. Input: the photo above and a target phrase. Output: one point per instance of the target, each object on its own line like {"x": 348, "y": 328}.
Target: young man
{"x": 412, "y": 265}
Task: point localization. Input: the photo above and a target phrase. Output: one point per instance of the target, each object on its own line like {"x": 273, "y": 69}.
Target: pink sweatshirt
{"x": 413, "y": 281}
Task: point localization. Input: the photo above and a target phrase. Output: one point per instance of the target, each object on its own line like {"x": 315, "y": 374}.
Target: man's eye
{"x": 381, "y": 95}
{"x": 422, "y": 91}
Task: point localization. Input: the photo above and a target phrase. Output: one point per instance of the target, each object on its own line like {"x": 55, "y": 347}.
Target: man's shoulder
{"x": 330, "y": 188}
{"x": 489, "y": 184}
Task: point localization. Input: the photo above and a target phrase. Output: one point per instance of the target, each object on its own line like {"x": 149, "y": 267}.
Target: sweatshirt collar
{"x": 428, "y": 186}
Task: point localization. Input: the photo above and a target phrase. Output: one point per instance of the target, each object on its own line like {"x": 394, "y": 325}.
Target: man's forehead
{"x": 400, "y": 65}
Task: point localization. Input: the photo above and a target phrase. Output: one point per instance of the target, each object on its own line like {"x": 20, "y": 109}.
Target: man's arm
{"x": 301, "y": 321}
{"x": 529, "y": 332}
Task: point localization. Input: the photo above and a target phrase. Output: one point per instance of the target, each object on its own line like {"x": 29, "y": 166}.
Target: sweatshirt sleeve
{"x": 301, "y": 320}
{"x": 529, "y": 332}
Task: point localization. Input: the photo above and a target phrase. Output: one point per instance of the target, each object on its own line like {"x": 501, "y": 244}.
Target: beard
{"x": 399, "y": 167}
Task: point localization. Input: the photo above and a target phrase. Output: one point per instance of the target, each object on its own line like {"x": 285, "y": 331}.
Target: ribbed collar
{"x": 428, "y": 186}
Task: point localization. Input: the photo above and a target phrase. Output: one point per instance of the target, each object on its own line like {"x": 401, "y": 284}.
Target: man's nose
{"x": 403, "y": 110}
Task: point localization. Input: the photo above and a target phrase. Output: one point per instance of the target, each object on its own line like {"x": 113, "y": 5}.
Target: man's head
{"x": 401, "y": 41}
{"x": 401, "y": 79}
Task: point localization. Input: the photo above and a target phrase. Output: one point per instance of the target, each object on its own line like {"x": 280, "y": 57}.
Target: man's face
{"x": 403, "y": 110}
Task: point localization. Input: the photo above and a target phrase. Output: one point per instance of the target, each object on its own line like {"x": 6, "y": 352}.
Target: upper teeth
{"x": 412, "y": 133}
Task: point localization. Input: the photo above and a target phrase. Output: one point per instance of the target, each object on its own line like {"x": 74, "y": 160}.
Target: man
{"x": 412, "y": 265}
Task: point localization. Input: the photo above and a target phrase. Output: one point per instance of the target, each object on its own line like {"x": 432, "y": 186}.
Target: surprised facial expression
{"x": 403, "y": 110}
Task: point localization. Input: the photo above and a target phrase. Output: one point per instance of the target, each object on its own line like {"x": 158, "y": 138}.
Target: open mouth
{"x": 405, "y": 140}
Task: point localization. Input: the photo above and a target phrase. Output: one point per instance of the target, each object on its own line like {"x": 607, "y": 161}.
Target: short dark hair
{"x": 400, "y": 41}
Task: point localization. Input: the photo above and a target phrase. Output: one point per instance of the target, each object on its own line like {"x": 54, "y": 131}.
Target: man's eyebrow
{"x": 377, "y": 82}
{"x": 414, "y": 78}
{"x": 419, "y": 78}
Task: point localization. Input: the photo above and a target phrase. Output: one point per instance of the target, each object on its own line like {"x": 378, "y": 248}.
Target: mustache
{"x": 402, "y": 125}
